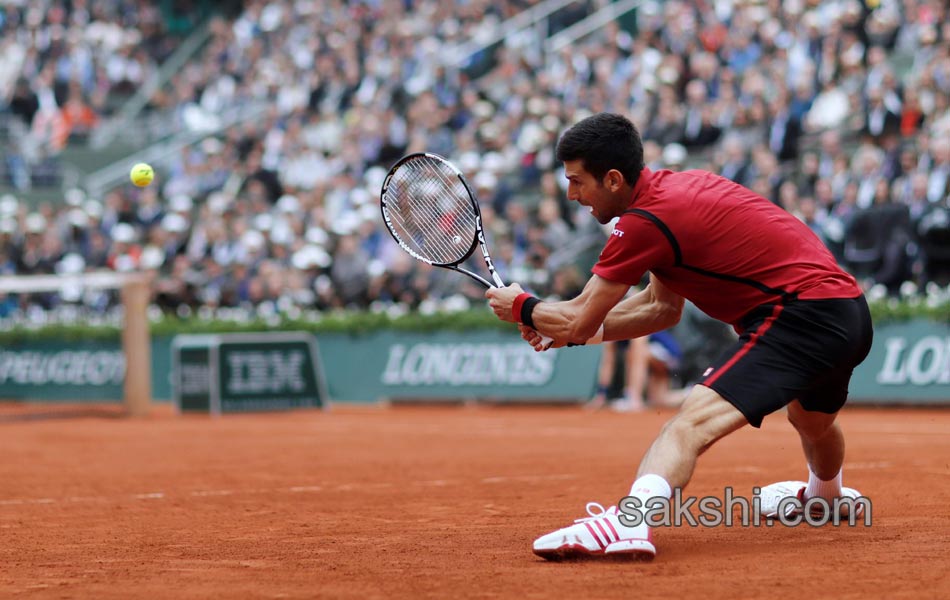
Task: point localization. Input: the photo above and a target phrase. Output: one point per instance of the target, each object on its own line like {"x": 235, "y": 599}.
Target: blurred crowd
{"x": 65, "y": 65}
{"x": 838, "y": 110}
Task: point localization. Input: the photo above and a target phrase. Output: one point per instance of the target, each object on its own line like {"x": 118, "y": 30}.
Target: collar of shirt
{"x": 642, "y": 182}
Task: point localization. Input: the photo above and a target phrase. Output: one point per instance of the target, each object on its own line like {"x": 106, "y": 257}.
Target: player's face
{"x": 602, "y": 196}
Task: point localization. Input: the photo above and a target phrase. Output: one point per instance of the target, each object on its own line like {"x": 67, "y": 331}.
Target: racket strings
{"x": 431, "y": 211}
{"x": 438, "y": 195}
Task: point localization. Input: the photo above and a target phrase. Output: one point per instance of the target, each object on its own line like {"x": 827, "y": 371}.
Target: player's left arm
{"x": 653, "y": 309}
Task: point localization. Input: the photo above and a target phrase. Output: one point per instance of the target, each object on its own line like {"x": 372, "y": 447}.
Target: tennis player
{"x": 802, "y": 321}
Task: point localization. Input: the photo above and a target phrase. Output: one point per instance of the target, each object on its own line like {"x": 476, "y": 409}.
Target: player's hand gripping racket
{"x": 432, "y": 213}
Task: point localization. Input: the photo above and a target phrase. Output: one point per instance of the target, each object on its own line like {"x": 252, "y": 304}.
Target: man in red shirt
{"x": 803, "y": 323}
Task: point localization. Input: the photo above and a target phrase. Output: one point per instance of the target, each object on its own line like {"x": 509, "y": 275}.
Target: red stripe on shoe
{"x": 614, "y": 531}
{"x": 600, "y": 542}
{"x": 604, "y": 531}
{"x": 748, "y": 345}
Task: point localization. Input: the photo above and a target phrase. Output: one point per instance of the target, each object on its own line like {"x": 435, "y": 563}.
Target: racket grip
{"x": 545, "y": 341}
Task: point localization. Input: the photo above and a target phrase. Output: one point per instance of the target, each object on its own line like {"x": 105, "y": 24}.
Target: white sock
{"x": 829, "y": 490}
{"x": 650, "y": 486}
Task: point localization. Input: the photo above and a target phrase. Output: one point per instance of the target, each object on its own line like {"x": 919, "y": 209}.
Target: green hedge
{"x": 362, "y": 322}
{"x": 337, "y": 322}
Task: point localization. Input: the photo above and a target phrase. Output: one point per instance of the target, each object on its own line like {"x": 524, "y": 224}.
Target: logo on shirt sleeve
{"x": 617, "y": 233}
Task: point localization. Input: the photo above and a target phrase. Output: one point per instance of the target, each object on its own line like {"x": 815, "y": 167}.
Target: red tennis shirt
{"x": 720, "y": 245}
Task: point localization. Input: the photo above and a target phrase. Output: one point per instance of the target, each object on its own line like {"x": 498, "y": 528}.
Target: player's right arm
{"x": 576, "y": 320}
{"x": 650, "y": 310}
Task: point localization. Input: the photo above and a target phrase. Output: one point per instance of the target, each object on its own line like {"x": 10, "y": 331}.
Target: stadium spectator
{"x": 24, "y": 103}
{"x": 932, "y": 233}
{"x": 784, "y": 129}
{"x": 645, "y": 368}
{"x": 876, "y": 241}
{"x": 938, "y": 183}
{"x": 734, "y": 163}
{"x": 74, "y": 121}
{"x": 699, "y": 130}
{"x": 880, "y": 120}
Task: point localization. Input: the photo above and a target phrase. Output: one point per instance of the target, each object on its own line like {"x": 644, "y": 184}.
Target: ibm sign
{"x": 246, "y": 372}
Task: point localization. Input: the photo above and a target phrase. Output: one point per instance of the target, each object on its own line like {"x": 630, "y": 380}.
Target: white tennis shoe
{"x": 600, "y": 534}
{"x": 772, "y": 496}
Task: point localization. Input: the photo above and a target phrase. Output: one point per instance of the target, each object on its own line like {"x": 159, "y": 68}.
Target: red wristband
{"x": 517, "y": 304}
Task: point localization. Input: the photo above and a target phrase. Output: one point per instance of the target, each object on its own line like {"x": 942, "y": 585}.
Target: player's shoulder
{"x": 688, "y": 178}
{"x": 663, "y": 183}
{"x": 675, "y": 188}
{"x": 666, "y": 190}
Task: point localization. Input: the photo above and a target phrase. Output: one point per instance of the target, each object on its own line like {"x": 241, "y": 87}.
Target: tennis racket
{"x": 432, "y": 213}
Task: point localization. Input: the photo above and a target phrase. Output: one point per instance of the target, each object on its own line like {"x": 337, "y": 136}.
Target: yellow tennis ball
{"x": 142, "y": 174}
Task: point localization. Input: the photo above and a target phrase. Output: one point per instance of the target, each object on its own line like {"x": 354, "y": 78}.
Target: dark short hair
{"x": 603, "y": 142}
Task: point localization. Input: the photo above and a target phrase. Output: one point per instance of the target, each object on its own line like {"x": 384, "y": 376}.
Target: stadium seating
{"x": 263, "y": 211}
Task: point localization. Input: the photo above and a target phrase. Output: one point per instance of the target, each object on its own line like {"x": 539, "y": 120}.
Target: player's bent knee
{"x": 704, "y": 418}
{"x": 684, "y": 433}
{"x": 696, "y": 435}
{"x": 810, "y": 424}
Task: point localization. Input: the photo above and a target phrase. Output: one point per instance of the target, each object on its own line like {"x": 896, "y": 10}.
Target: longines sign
{"x": 909, "y": 362}
{"x": 481, "y": 364}
{"x": 453, "y": 364}
{"x": 922, "y": 362}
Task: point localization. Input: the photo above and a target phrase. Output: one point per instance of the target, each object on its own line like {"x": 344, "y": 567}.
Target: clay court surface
{"x": 439, "y": 502}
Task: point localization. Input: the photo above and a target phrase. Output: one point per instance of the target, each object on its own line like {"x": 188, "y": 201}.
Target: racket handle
{"x": 545, "y": 341}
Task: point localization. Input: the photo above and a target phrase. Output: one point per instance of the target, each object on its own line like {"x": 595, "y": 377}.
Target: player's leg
{"x": 741, "y": 387}
{"x": 824, "y": 445}
{"x": 822, "y": 440}
{"x": 814, "y": 415}
{"x": 704, "y": 418}
{"x": 784, "y": 352}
